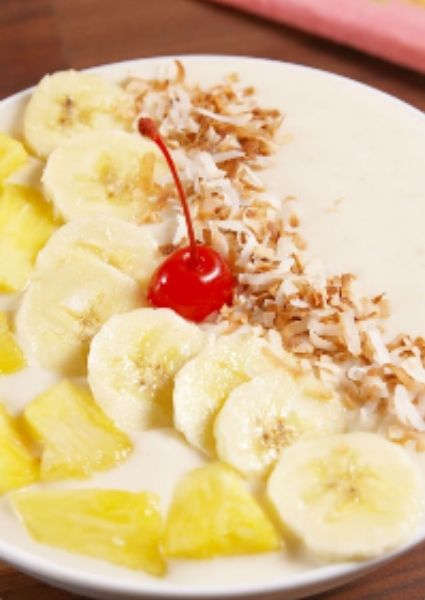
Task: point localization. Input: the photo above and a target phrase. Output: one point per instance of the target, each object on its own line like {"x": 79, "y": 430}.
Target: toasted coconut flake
{"x": 228, "y": 119}
{"x": 414, "y": 368}
{"x": 356, "y": 373}
{"x": 320, "y": 342}
{"x": 350, "y": 332}
{"x": 405, "y": 378}
{"x": 376, "y": 343}
{"x": 261, "y": 279}
{"x": 405, "y": 410}
{"x": 226, "y": 155}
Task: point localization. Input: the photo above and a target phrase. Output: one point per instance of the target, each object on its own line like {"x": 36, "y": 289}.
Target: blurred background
{"x": 38, "y": 36}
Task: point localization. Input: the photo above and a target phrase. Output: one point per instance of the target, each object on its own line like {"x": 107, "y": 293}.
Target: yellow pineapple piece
{"x": 75, "y": 435}
{"x": 213, "y": 514}
{"x": 12, "y": 156}
{"x": 17, "y": 465}
{"x": 11, "y": 356}
{"x": 121, "y": 527}
{"x": 26, "y": 223}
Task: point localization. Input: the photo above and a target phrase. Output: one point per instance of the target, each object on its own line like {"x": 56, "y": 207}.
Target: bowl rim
{"x": 333, "y": 574}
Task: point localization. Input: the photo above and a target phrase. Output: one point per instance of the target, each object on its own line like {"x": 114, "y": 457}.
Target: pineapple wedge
{"x": 12, "y": 156}
{"x": 75, "y": 436}
{"x": 213, "y": 514}
{"x": 121, "y": 527}
{"x": 11, "y": 356}
{"x": 17, "y": 465}
{"x": 26, "y": 223}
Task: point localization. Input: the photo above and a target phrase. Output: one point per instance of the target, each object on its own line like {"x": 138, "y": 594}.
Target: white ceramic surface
{"x": 345, "y": 146}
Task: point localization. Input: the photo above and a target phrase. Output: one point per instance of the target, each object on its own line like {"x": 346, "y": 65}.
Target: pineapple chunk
{"x": 121, "y": 527}
{"x": 213, "y": 514}
{"x": 26, "y": 223}
{"x": 11, "y": 356}
{"x": 76, "y": 437}
{"x": 17, "y": 466}
{"x": 12, "y": 156}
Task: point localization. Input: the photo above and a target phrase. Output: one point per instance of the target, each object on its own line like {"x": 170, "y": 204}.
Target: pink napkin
{"x": 391, "y": 29}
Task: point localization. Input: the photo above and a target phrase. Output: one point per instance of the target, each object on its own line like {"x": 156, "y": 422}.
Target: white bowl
{"x": 345, "y": 140}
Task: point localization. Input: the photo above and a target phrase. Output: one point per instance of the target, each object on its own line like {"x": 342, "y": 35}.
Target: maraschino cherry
{"x": 195, "y": 280}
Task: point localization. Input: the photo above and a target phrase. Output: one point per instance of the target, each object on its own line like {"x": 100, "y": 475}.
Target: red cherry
{"x": 192, "y": 290}
{"x": 195, "y": 281}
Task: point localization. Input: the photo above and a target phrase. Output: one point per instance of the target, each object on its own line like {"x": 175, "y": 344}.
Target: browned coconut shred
{"x": 221, "y": 139}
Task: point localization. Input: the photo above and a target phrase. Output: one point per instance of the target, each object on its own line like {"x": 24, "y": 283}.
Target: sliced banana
{"x": 268, "y": 413}
{"x": 133, "y": 361}
{"x": 202, "y": 386}
{"x": 104, "y": 173}
{"x": 348, "y": 496}
{"x": 69, "y": 102}
{"x": 65, "y": 306}
{"x": 130, "y": 248}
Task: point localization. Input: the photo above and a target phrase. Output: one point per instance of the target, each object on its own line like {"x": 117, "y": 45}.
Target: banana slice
{"x": 133, "y": 361}
{"x": 69, "y": 102}
{"x": 268, "y": 413}
{"x": 130, "y": 248}
{"x": 348, "y": 496}
{"x": 65, "y": 306}
{"x": 104, "y": 172}
{"x": 202, "y": 386}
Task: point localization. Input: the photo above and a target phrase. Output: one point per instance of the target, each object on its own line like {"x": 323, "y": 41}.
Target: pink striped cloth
{"x": 391, "y": 29}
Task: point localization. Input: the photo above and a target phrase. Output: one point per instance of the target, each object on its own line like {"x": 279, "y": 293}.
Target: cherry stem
{"x": 147, "y": 128}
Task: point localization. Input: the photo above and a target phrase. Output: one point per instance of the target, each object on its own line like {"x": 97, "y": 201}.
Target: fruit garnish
{"x": 203, "y": 384}
{"x": 121, "y": 527}
{"x": 104, "y": 173}
{"x": 66, "y": 305}
{"x": 26, "y": 223}
{"x": 213, "y": 514}
{"x": 75, "y": 436}
{"x": 268, "y": 413}
{"x": 133, "y": 361}
{"x": 67, "y": 103}
{"x": 18, "y": 466}
{"x": 12, "y": 156}
{"x": 348, "y": 496}
{"x": 126, "y": 247}
{"x": 195, "y": 281}
{"x": 11, "y": 356}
